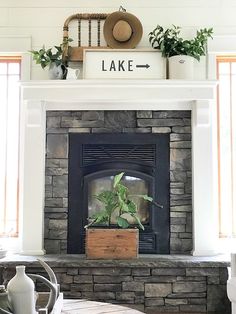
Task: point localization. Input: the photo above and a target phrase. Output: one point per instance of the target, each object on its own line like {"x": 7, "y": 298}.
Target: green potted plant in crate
{"x": 115, "y": 237}
{"x": 180, "y": 52}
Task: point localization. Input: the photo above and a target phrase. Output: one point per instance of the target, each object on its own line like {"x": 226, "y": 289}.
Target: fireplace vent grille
{"x": 94, "y": 153}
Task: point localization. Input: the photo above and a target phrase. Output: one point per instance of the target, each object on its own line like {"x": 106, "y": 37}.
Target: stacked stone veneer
{"x": 61, "y": 123}
{"x": 153, "y": 284}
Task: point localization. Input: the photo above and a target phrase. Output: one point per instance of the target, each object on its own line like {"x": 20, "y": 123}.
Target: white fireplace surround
{"x": 37, "y": 97}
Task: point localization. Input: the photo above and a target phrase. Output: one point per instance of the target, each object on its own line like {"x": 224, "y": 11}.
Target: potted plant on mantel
{"x": 51, "y": 58}
{"x": 180, "y": 52}
{"x": 106, "y": 240}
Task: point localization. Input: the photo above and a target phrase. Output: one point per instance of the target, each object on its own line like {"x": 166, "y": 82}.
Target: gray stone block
{"x": 52, "y": 246}
{"x": 79, "y": 130}
{"x": 178, "y": 221}
{"x": 120, "y": 119}
{"x": 168, "y": 271}
{"x": 113, "y": 287}
{"x": 181, "y": 144}
{"x": 56, "y": 163}
{"x": 159, "y": 122}
{"x": 224, "y": 275}
{"x": 196, "y": 271}
{"x": 156, "y": 279}
{"x": 72, "y": 271}
{"x": 58, "y": 113}
{"x": 181, "y": 129}
{"x": 144, "y": 114}
{"x": 53, "y": 122}
{"x": 193, "y": 308}
{"x": 60, "y": 186}
{"x": 107, "y": 130}
{"x": 156, "y": 290}
{"x": 56, "y": 215}
{"x": 176, "y": 191}
{"x": 83, "y": 279}
{"x": 177, "y": 228}
{"x": 180, "y": 202}
{"x": 175, "y": 301}
{"x": 137, "y": 130}
{"x": 185, "y": 235}
{"x": 217, "y": 300}
{"x": 105, "y": 271}
{"x": 125, "y": 296}
{"x": 57, "y": 234}
{"x": 133, "y": 286}
{"x": 154, "y": 301}
{"x": 180, "y": 159}
{"x": 82, "y": 288}
{"x": 66, "y": 279}
{"x": 178, "y": 176}
{"x": 48, "y": 180}
{"x": 177, "y": 185}
{"x": 56, "y": 224}
{"x": 75, "y": 122}
{"x": 191, "y": 278}
{"x": 178, "y": 137}
{"x": 92, "y": 115}
{"x": 54, "y": 202}
{"x": 172, "y": 114}
{"x": 55, "y": 210}
{"x": 57, "y": 146}
{"x": 141, "y": 271}
{"x": 189, "y": 287}
{"x": 190, "y": 295}
{"x": 175, "y": 244}
{"x": 197, "y": 301}
{"x": 113, "y": 279}
{"x": 56, "y": 171}
{"x": 161, "y": 130}
{"x": 186, "y": 121}
{"x": 213, "y": 280}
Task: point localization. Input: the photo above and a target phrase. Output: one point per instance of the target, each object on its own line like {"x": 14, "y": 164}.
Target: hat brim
{"x": 135, "y": 24}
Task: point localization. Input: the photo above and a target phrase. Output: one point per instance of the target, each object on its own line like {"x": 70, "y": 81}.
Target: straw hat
{"x": 122, "y": 30}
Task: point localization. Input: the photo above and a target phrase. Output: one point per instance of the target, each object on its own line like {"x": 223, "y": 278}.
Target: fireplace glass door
{"x": 135, "y": 185}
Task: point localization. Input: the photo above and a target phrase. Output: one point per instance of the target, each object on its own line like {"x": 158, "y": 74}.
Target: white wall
{"x": 43, "y": 20}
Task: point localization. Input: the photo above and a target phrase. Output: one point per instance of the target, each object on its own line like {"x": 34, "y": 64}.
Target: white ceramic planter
{"x": 181, "y": 67}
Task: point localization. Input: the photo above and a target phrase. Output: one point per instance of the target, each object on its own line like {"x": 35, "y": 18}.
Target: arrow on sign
{"x": 143, "y": 66}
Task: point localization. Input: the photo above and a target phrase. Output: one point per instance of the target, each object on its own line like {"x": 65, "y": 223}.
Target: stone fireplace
{"x": 180, "y": 110}
{"x": 169, "y": 230}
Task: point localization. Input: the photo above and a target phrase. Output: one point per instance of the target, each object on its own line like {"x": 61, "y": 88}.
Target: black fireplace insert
{"x": 94, "y": 159}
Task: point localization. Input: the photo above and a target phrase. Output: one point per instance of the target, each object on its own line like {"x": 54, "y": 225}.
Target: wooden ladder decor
{"x": 74, "y": 54}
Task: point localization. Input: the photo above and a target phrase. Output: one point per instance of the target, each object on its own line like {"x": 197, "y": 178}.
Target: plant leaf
{"x": 117, "y": 179}
{"x": 122, "y": 222}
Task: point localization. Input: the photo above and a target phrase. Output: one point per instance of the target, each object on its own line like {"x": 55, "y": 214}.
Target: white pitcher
{"x": 72, "y": 74}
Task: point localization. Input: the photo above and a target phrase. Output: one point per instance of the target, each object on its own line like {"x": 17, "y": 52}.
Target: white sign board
{"x": 123, "y": 64}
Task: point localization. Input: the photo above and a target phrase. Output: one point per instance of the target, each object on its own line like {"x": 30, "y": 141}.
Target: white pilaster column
{"x": 32, "y": 173}
{"x": 205, "y": 178}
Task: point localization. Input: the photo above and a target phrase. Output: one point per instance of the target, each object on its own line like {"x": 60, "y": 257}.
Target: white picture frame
{"x": 123, "y": 64}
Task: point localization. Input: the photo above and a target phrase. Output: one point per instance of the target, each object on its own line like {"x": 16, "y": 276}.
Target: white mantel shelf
{"x": 37, "y": 97}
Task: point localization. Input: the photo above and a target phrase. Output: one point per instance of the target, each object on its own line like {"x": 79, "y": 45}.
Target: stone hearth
{"x": 154, "y": 283}
{"x": 61, "y": 123}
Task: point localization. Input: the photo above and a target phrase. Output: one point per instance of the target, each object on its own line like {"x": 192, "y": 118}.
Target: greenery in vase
{"x": 45, "y": 57}
{"x": 118, "y": 201}
{"x": 170, "y": 43}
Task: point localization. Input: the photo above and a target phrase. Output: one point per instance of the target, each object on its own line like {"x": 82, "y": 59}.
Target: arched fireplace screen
{"x": 94, "y": 159}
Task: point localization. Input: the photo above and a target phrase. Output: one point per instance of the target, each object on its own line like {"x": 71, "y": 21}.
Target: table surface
{"x": 93, "y": 307}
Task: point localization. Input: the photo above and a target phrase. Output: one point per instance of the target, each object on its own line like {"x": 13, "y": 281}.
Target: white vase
{"x": 56, "y": 72}
{"x": 21, "y": 292}
{"x": 181, "y": 67}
